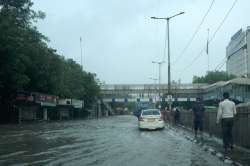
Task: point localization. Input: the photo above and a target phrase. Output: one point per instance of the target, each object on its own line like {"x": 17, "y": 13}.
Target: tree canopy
{"x": 213, "y": 77}
{"x": 27, "y": 63}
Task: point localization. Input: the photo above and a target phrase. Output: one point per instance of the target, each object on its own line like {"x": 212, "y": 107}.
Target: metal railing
{"x": 241, "y": 129}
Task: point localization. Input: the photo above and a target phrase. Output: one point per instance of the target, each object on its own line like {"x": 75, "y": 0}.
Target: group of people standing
{"x": 225, "y": 117}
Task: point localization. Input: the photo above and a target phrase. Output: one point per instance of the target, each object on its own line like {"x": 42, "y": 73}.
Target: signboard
{"x": 24, "y": 96}
{"x": 45, "y": 100}
{"x": 64, "y": 102}
{"x": 193, "y": 99}
{"x": 142, "y": 105}
{"x": 169, "y": 97}
{"x": 21, "y": 96}
{"x": 77, "y": 103}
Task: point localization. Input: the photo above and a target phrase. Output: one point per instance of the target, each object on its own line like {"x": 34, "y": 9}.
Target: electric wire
{"x": 195, "y": 33}
{"x": 211, "y": 39}
{"x": 221, "y": 64}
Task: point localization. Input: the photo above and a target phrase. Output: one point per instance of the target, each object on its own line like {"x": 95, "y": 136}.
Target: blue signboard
{"x": 142, "y": 105}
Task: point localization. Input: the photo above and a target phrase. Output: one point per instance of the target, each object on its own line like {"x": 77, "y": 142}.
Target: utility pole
{"x": 168, "y": 38}
{"x": 169, "y": 76}
{"x": 207, "y": 50}
{"x": 159, "y": 85}
{"x": 81, "y": 51}
{"x": 155, "y": 87}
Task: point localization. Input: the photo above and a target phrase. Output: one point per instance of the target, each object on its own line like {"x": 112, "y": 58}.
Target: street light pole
{"x": 169, "y": 73}
{"x": 159, "y": 63}
{"x": 81, "y": 51}
{"x": 155, "y": 87}
{"x": 169, "y": 76}
{"x": 154, "y": 79}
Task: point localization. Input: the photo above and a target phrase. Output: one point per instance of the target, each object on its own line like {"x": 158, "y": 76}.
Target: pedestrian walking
{"x": 167, "y": 112}
{"x": 225, "y": 115}
{"x": 138, "y": 113}
{"x": 163, "y": 114}
{"x": 198, "y": 115}
{"x": 177, "y": 115}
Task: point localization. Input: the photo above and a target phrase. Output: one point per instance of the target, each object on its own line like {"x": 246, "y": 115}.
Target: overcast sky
{"x": 120, "y": 41}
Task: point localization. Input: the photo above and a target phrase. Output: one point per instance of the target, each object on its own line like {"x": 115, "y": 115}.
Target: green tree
{"x": 16, "y": 29}
{"x": 212, "y": 77}
{"x": 28, "y": 64}
{"x": 80, "y": 84}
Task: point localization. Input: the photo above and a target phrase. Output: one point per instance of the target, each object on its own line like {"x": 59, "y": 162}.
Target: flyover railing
{"x": 241, "y": 129}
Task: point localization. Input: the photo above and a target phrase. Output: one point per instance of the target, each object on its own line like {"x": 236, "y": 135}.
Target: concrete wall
{"x": 241, "y": 130}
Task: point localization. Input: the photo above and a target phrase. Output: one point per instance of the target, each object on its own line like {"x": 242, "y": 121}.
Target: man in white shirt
{"x": 225, "y": 114}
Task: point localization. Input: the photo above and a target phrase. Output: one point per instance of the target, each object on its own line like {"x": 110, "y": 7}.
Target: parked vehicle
{"x": 151, "y": 119}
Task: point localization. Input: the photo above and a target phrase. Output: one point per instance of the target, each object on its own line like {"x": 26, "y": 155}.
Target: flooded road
{"x": 113, "y": 141}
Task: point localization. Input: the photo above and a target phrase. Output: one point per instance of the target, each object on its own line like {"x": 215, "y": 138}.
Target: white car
{"x": 151, "y": 119}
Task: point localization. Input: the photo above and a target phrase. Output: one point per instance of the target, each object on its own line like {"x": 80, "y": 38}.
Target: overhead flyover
{"x": 239, "y": 89}
{"x": 150, "y": 92}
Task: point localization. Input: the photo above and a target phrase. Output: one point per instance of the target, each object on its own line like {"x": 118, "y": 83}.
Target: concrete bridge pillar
{"x": 45, "y": 114}
{"x": 99, "y": 109}
{"x": 19, "y": 115}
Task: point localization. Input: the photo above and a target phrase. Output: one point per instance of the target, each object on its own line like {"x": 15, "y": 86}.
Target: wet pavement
{"x": 112, "y": 141}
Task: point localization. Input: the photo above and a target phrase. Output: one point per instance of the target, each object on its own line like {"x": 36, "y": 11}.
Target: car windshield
{"x": 151, "y": 112}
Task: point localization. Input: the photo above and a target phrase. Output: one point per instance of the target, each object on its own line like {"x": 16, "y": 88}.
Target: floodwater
{"x": 112, "y": 141}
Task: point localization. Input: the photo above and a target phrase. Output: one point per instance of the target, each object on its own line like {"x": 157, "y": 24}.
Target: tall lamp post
{"x": 159, "y": 63}
{"x": 81, "y": 51}
{"x": 154, "y": 79}
{"x": 167, "y": 36}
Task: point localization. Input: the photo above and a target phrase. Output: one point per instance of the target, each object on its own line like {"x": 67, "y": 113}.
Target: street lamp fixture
{"x": 167, "y": 36}
{"x": 155, "y": 87}
{"x": 159, "y": 63}
{"x": 167, "y": 18}
{"x": 154, "y": 79}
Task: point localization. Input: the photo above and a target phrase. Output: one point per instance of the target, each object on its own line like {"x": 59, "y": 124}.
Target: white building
{"x": 237, "y": 54}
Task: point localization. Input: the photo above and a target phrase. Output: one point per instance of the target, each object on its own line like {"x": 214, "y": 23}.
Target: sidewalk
{"x": 237, "y": 156}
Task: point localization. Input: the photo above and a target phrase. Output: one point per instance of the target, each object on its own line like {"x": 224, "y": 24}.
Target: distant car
{"x": 151, "y": 119}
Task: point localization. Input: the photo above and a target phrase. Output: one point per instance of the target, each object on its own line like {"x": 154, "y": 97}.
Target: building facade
{"x": 238, "y": 88}
{"x": 237, "y": 54}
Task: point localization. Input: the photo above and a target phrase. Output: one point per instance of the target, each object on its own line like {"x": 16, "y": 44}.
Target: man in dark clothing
{"x": 198, "y": 114}
{"x": 177, "y": 116}
{"x": 138, "y": 114}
